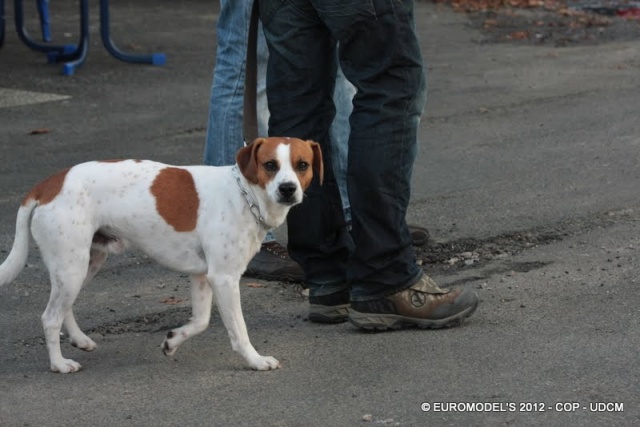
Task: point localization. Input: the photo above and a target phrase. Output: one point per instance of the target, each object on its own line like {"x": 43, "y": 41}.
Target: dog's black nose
{"x": 287, "y": 189}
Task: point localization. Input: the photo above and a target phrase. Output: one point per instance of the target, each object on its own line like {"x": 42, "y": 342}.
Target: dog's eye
{"x": 271, "y": 166}
{"x": 303, "y": 166}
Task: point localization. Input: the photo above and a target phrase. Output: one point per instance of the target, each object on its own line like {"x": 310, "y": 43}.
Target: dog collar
{"x": 253, "y": 206}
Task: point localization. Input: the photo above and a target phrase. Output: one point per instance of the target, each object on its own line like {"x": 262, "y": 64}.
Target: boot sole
{"x": 383, "y": 322}
{"x": 328, "y": 314}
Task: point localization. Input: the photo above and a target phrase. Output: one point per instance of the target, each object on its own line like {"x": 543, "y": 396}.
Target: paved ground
{"x": 527, "y": 178}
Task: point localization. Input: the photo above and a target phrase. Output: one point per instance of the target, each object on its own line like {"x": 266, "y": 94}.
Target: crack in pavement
{"x": 448, "y": 258}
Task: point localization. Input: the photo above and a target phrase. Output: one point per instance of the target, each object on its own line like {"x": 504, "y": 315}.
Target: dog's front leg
{"x": 227, "y": 295}
{"x": 201, "y": 296}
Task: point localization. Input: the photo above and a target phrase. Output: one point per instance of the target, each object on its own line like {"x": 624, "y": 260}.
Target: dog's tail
{"x": 14, "y": 263}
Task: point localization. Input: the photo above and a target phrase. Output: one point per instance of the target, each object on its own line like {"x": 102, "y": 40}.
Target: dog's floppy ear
{"x": 318, "y": 164}
{"x": 247, "y": 160}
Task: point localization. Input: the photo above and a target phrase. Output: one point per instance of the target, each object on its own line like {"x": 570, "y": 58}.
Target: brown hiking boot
{"x": 272, "y": 262}
{"x": 424, "y": 305}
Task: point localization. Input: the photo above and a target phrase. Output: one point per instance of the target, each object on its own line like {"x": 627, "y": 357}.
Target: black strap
{"x": 250, "y": 122}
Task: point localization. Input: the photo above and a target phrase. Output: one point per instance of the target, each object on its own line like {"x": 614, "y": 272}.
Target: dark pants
{"x": 380, "y": 55}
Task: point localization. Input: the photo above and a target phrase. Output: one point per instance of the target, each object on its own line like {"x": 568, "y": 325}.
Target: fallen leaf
{"x": 490, "y": 23}
{"x": 574, "y": 25}
{"x": 172, "y": 300}
{"x": 519, "y": 35}
{"x": 40, "y": 131}
{"x": 255, "y": 285}
{"x": 633, "y": 13}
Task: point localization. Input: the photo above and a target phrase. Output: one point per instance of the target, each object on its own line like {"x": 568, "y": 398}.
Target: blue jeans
{"x": 224, "y": 127}
{"x": 339, "y": 135}
{"x": 379, "y": 53}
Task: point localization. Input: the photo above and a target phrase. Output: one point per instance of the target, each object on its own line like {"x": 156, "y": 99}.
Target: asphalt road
{"x": 528, "y": 162}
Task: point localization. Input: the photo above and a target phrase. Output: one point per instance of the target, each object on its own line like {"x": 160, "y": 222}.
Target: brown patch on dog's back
{"x": 177, "y": 200}
{"x": 48, "y": 189}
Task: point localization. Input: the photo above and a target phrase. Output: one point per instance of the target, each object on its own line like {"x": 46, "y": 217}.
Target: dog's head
{"x": 282, "y": 166}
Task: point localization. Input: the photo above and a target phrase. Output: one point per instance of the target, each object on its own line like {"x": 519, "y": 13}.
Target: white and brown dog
{"x": 205, "y": 221}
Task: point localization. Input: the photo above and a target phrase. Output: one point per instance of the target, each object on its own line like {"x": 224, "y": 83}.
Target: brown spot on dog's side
{"x": 177, "y": 200}
{"x": 48, "y": 189}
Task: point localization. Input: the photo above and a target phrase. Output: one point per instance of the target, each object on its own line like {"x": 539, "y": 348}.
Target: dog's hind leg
{"x": 77, "y": 338}
{"x": 201, "y": 300}
{"x": 67, "y": 274}
{"x": 227, "y": 294}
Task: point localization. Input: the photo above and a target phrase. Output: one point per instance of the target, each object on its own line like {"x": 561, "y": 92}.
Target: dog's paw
{"x": 65, "y": 366}
{"x": 167, "y": 347}
{"x": 265, "y": 363}
{"x": 84, "y": 343}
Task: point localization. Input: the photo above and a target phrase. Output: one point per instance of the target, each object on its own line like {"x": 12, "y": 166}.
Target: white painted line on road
{"x": 15, "y": 97}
